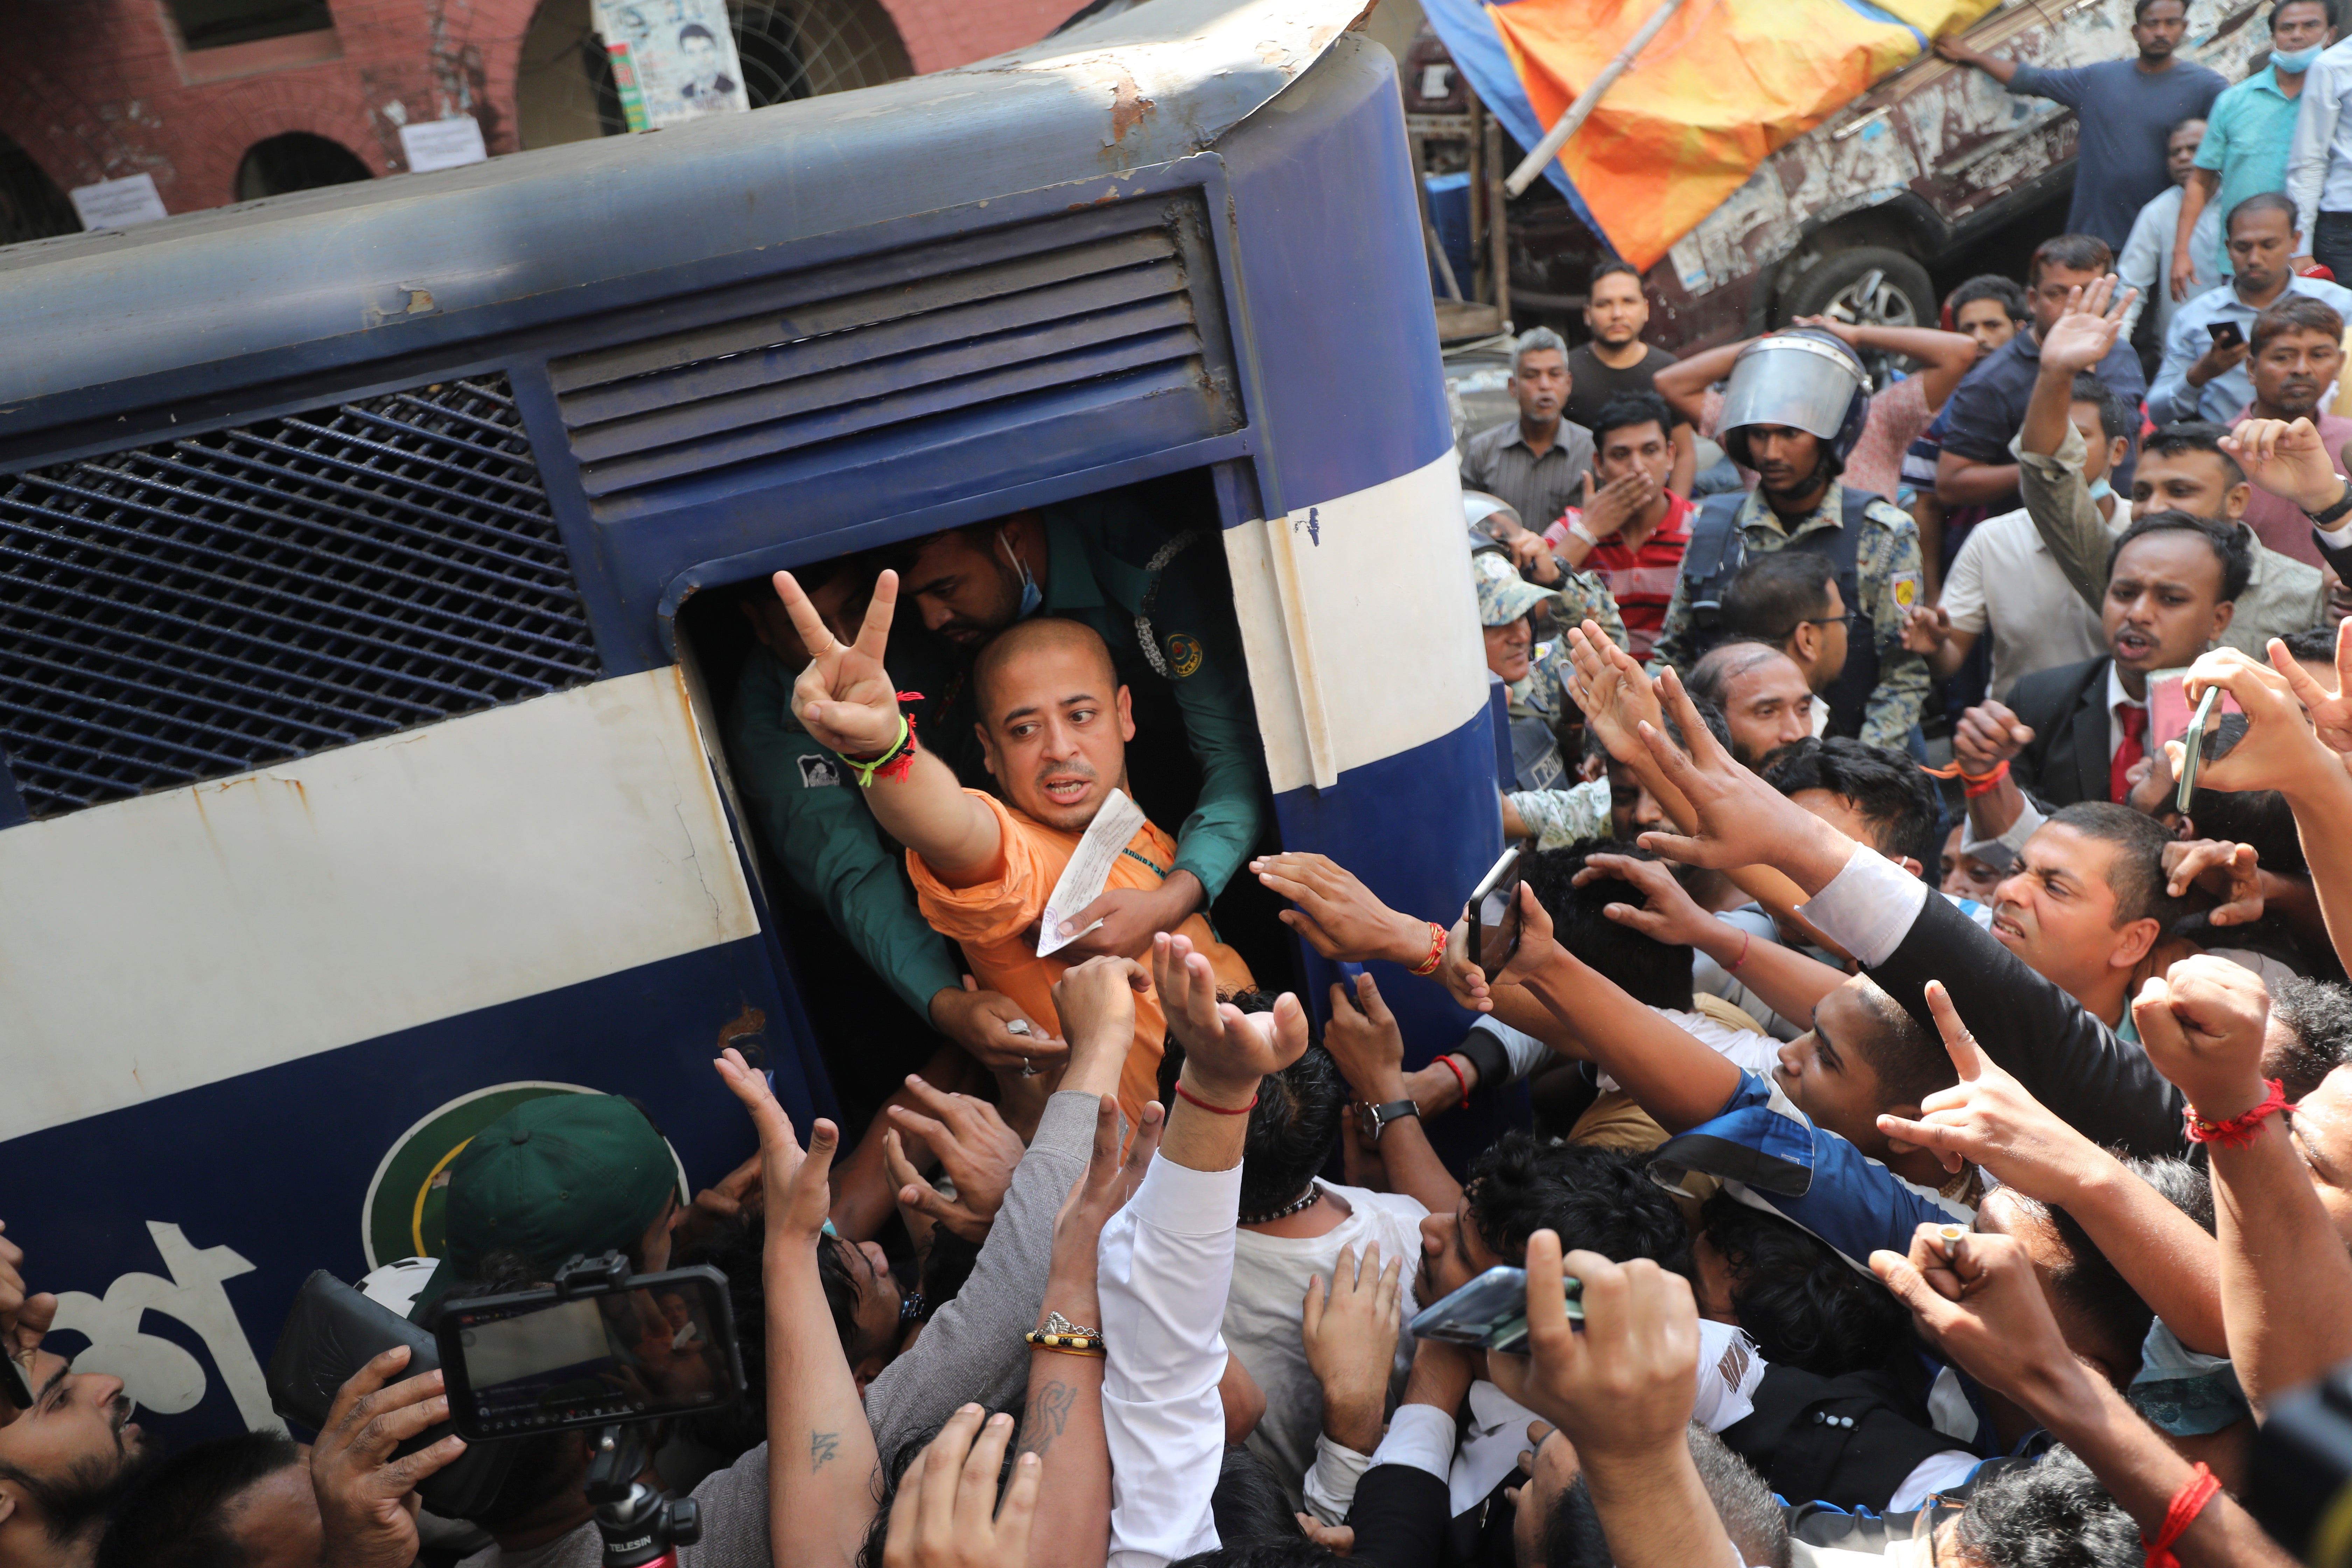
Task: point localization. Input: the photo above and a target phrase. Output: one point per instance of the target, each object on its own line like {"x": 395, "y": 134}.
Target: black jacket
{"x": 2102, "y": 1084}
{"x": 1401, "y": 1516}
{"x": 2067, "y": 760}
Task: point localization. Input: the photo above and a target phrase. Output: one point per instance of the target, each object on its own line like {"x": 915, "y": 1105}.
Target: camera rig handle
{"x": 642, "y": 1526}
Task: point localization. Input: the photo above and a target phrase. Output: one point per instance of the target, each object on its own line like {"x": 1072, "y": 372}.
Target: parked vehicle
{"x": 362, "y": 770}
{"x": 1857, "y": 213}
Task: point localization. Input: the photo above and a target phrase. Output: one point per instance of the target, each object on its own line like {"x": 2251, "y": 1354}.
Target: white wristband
{"x": 1578, "y": 529}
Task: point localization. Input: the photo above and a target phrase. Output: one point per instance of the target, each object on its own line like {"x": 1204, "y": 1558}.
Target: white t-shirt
{"x": 2006, "y": 579}
{"x": 1262, "y": 1307}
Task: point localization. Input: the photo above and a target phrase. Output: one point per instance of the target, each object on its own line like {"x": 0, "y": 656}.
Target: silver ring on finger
{"x": 1026, "y": 1070}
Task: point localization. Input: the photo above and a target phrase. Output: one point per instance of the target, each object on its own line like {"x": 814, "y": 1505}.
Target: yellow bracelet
{"x": 1045, "y": 1344}
{"x": 1091, "y": 1344}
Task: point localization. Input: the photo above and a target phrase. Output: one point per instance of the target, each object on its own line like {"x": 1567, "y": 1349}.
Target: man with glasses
{"x": 1790, "y": 602}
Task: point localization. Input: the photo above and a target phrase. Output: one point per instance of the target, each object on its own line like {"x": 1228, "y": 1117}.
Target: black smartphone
{"x": 2225, "y": 334}
{"x": 539, "y": 1361}
{"x": 334, "y": 1331}
{"x": 1493, "y": 932}
{"x": 1490, "y": 1312}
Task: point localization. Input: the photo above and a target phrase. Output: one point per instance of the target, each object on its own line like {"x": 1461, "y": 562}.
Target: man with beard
{"x": 1055, "y": 723}
{"x": 2296, "y": 353}
{"x": 1793, "y": 410}
{"x": 1160, "y": 605}
{"x": 66, "y": 1456}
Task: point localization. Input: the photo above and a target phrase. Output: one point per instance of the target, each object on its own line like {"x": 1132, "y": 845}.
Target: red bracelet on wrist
{"x": 2239, "y": 1130}
{"x": 1447, "y": 1063}
{"x": 2187, "y": 1504}
{"x": 1189, "y": 1098}
{"x": 1733, "y": 968}
{"x": 1436, "y": 952}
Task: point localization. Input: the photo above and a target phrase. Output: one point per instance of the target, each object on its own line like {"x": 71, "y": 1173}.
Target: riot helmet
{"x": 1805, "y": 378}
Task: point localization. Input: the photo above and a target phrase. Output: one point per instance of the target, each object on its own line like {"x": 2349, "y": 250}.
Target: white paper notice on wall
{"x": 119, "y": 204}
{"x": 430, "y": 145}
{"x": 1090, "y": 868}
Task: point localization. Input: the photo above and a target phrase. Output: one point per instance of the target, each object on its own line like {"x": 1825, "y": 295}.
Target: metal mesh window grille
{"x": 215, "y": 603}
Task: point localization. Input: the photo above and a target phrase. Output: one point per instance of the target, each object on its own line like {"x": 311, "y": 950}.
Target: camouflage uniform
{"x": 1539, "y": 700}
{"x": 1888, "y": 574}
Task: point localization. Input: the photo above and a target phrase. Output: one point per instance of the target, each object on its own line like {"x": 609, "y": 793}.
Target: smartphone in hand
{"x": 1490, "y": 1312}
{"x": 1494, "y": 934}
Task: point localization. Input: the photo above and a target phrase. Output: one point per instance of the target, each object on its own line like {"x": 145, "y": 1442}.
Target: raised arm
{"x": 1942, "y": 357}
{"x": 846, "y": 701}
{"x": 1790, "y": 982}
{"x": 1684, "y": 383}
{"x": 1362, "y": 1035}
{"x": 2286, "y": 1281}
{"x": 2204, "y": 185}
{"x": 2057, "y": 499}
{"x": 1999, "y": 66}
{"x": 822, "y": 1462}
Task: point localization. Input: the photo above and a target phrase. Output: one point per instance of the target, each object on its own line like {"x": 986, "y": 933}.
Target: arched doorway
{"x": 789, "y": 49}
{"x": 31, "y": 206}
{"x": 296, "y": 161}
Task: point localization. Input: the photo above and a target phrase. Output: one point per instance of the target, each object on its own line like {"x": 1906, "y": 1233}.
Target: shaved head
{"x": 1021, "y": 642}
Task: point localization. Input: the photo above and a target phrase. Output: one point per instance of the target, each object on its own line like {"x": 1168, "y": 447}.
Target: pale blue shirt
{"x": 2220, "y": 399}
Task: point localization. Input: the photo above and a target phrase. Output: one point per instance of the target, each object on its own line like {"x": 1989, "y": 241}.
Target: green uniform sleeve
{"x": 1586, "y": 594}
{"x": 816, "y": 825}
{"x": 1891, "y": 581}
{"x": 1220, "y": 722}
{"x": 1561, "y": 816}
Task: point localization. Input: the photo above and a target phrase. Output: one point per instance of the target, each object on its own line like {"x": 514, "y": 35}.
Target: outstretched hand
{"x": 2278, "y": 750}
{"x": 2085, "y": 333}
{"x": 845, "y": 697}
{"x": 1976, "y": 1299}
{"x": 1623, "y": 1387}
{"x": 2330, "y": 710}
{"x": 1666, "y": 913}
{"x": 1989, "y": 1118}
{"x": 1220, "y": 1041}
{"x": 2229, "y": 872}
{"x": 2286, "y": 458}
{"x": 1338, "y": 915}
{"x": 947, "y": 1515}
{"x": 794, "y": 1183}
{"x": 1741, "y": 820}
{"x": 1616, "y": 695}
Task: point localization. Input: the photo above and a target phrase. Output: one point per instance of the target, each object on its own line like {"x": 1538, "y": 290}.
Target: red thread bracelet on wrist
{"x": 2241, "y": 1130}
{"x": 1436, "y": 952}
{"x": 1185, "y": 1094}
{"x": 1447, "y": 1063}
{"x": 2187, "y": 1504}
{"x": 1984, "y": 783}
{"x": 1733, "y": 967}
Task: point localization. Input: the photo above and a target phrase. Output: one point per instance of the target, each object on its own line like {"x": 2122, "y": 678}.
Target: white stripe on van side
{"x": 158, "y": 944}
{"x": 1360, "y": 625}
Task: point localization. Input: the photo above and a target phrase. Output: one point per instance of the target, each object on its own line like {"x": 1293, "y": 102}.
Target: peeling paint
{"x": 1128, "y": 105}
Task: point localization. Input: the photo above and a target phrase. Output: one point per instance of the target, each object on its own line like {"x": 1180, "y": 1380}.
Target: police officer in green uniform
{"x": 1793, "y": 410}
{"x": 815, "y": 822}
{"x": 1159, "y": 597}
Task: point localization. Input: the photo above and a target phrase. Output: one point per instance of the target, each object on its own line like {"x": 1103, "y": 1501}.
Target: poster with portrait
{"x": 674, "y": 60}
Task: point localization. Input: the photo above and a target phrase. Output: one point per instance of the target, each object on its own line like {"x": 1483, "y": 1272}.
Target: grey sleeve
{"x": 971, "y": 1352}
{"x": 734, "y": 1504}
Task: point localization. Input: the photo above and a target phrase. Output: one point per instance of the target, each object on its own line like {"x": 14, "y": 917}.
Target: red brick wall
{"x": 98, "y": 90}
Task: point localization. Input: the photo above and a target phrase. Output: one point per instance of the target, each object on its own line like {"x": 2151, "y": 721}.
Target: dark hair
{"x": 2326, "y": 6}
{"x": 2052, "y": 1513}
{"x": 2136, "y": 872}
{"x": 2313, "y": 644}
{"x": 1292, "y": 1551}
{"x": 178, "y": 1514}
{"x": 2185, "y": 1186}
{"x": 1801, "y": 1302}
{"x": 1653, "y": 972}
{"x": 1990, "y": 286}
{"x": 2194, "y": 436}
{"x": 2141, "y": 7}
{"x": 1604, "y": 269}
{"x": 2174, "y": 128}
{"x": 2089, "y": 1285}
{"x": 2074, "y": 252}
{"x": 545, "y": 1463}
{"x": 2118, "y": 415}
{"x": 2319, "y": 1017}
{"x": 840, "y": 1286}
{"x": 1628, "y": 409}
{"x": 734, "y": 1248}
{"x": 2228, "y": 541}
{"x": 1777, "y": 593}
{"x": 1248, "y": 1502}
{"x": 2261, "y": 202}
{"x": 1887, "y": 788}
{"x": 2294, "y": 313}
{"x": 2261, "y": 817}
{"x": 1908, "y": 1058}
{"x": 1293, "y": 1127}
{"x": 1598, "y": 1199}
{"x": 1572, "y": 1536}
{"x": 1751, "y": 1515}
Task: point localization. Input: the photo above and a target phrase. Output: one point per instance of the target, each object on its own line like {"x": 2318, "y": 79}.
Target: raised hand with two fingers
{"x": 1989, "y": 1120}
{"x": 844, "y": 697}
{"x": 794, "y": 1182}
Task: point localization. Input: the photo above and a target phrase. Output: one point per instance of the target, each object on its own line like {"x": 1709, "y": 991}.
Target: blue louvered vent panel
{"x": 213, "y": 605}
{"x": 1110, "y": 308}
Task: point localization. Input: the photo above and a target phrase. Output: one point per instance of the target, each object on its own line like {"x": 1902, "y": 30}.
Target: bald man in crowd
{"x": 1763, "y": 694}
{"x": 1053, "y": 726}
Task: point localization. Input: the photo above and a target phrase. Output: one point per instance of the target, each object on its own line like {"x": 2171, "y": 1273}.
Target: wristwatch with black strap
{"x": 2334, "y": 515}
{"x": 1376, "y": 1117}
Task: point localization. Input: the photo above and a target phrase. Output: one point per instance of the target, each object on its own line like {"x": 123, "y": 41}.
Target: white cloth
{"x": 1525, "y": 1052}
{"x": 2319, "y": 159}
{"x": 2006, "y": 581}
{"x": 2117, "y": 698}
{"x": 395, "y": 1285}
{"x": 1936, "y": 1473}
{"x": 1711, "y": 977}
{"x": 1421, "y": 1436}
{"x": 1262, "y": 1316}
{"x": 1743, "y": 1049}
{"x": 2336, "y": 538}
{"x": 1165, "y": 1263}
{"x": 2146, "y": 263}
{"x": 1868, "y": 906}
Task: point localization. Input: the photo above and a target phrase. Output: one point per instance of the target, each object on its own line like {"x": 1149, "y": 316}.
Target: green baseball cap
{"x": 555, "y": 1176}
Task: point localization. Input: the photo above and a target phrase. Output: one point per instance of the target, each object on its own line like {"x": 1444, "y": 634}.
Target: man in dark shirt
{"x": 1537, "y": 462}
{"x": 1618, "y": 363}
{"x": 1987, "y": 409}
{"x": 2123, "y": 110}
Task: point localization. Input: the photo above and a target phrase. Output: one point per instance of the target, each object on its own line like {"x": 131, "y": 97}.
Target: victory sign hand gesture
{"x": 844, "y": 697}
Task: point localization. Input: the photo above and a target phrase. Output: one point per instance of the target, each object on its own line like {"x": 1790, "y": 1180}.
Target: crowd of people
{"x": 1934, "y": 1162}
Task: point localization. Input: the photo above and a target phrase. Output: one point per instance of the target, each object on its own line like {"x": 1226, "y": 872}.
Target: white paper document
{"x": 1090, "y": 868}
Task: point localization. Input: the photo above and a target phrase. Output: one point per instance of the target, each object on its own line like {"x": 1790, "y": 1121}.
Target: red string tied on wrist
{"x": 1734, "y": 968}
{"x": 2187, "y": 1504}
{"x": 1189, "y": 1098}
{"x": 1436, "y": 952}
{"x": 1971, "y": 785}
{"x": 1447, "y": 1063}
{"x": 2241, "y": 1130}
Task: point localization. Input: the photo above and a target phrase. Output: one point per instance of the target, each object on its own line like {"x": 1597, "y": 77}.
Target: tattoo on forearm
{"x": 1047, "y": 1417}
{"x": 823, "y": 1448}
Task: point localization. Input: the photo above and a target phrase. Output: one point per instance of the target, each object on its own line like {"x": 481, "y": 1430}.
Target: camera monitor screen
{"x": 532, "y": 1362}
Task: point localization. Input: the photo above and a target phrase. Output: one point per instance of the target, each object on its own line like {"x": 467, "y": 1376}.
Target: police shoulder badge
{"x": 1184, "y": 654}
{"x": 1906, "y": 585}
{"x": 818, "y": 771}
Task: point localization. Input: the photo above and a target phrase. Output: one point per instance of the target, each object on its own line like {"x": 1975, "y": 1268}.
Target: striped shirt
{"x": 1642, "y": 580}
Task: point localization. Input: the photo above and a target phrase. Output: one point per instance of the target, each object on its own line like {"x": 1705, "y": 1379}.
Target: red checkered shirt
{"x": 1641, "y": 581}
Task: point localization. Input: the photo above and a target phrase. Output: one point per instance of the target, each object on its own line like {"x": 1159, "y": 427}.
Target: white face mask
{"x": 1031, "y": 594}
{"x": 2297, "y": 61}
{"x": 2102, "y": 491}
